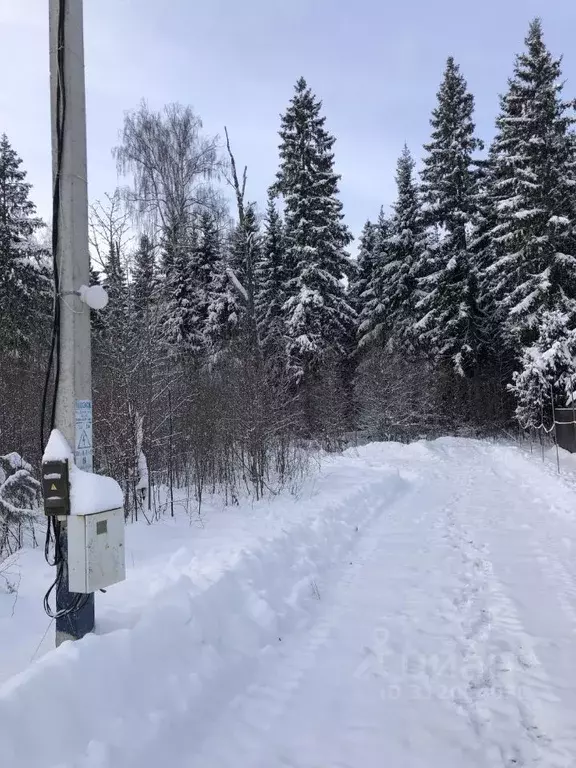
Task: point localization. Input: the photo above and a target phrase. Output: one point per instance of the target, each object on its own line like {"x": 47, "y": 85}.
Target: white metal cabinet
{"x": 96, "y": 556}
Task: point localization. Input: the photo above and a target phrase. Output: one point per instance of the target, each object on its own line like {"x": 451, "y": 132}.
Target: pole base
{"x": 74, "y": 625}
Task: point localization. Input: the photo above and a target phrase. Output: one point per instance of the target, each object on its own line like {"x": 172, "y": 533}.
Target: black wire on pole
{"x": 53, "y": 531}
{"x": 60, "y": 119}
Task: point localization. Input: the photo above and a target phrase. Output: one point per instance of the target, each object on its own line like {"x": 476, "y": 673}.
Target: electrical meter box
{"x": 56, "y": 487}
{"x": 95, "y": 550}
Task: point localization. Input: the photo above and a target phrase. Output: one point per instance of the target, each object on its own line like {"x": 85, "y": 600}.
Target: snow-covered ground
{"x": 415, "y": 606}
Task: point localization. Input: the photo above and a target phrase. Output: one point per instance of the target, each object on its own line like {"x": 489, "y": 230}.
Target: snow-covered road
{"x": 450, "y": 640}
{"x": 431, "y": 621}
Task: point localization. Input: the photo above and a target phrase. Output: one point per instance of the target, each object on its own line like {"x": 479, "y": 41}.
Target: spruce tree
{"x": 362, "y": 278}
{"x": 272, "y": 274}
{"x": 547, "y": 370}
{"x": 482, "y": 246}
{"x": 20, "y": 499}
{"x": 118, "y": 308}
{"x": 24, "y": 277}
{"x": 529, "y": 257}
{"x": 145, "y": 312}
{"x": 232, "y": 310}
{"x": 245, "y": 250}
{"x": 144, "y": 275}
{"x": 179, "y": 311}
{"x": 317, "y": 316}
{"x": 374, "y": 319}
{"x": 449, "y": 325}
{"x": 115, "y": 280}
{"x": 113, "y": 327}
{"x": 404, "y": 244}
{"x": 206, "y": 267}
{"x": 207, "y": 255}
{"x": 193, "y": 284}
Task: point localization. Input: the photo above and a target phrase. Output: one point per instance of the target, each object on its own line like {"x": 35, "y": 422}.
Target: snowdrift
{"x": 110, "y": 699}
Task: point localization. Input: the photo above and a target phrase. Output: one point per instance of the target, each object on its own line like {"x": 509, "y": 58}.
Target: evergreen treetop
{"x": 448, "y": 175}
{"x": 24, "y": 274}
{"x": 532, "y": 195}
{"x": 144, "y": 274}
{"x": 317, "y": 315}
{"x": 374, "y": 319}
{"x": 449, "y": 323}
{"x": 272, "y": 274}
{"x": 362, "y": 278}
{"x": 404, "y": 244}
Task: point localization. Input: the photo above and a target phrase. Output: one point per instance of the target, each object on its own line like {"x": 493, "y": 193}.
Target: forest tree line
{"x": 235, "y": 336}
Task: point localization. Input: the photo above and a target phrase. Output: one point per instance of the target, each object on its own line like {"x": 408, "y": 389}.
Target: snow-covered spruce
{"x": 547, "y": 375}
{"x": 20, "y": 496}
{"x": 448, "y": 325}
{"x": 272, "y": 275}
{"x": 318, "y": 318}
{"x": 531, "y": 261}
{"x": 25, "y": 287}
{"x": 389, "y": 293}
{"x": 374, "y": 321}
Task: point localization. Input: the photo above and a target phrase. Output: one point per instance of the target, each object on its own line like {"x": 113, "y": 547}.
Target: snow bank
{"x": 111, "y": 700}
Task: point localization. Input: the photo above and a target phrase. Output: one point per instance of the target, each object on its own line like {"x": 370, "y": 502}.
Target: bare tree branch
{"x": 239, "y": 190}
{"x": 171, "y": 164}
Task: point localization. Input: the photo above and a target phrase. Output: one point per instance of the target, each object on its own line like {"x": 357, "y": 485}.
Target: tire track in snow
{"x": 175, "y": 734}
{"x": 510, "y": 682}
{"x": 256, "y": 714}
{"x": 251, "y": 715}
{"x": 499, "y": 685}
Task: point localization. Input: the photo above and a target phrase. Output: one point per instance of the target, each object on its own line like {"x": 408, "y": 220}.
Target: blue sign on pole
{"x": 83, "y": 432}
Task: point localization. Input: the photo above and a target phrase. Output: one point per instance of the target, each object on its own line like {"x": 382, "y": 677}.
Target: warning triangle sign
{"x": 84, "y": 441}
{"x": 53, "y": 487}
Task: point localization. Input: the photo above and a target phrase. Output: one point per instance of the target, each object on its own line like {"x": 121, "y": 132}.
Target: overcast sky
{"x": 376, "y": 65}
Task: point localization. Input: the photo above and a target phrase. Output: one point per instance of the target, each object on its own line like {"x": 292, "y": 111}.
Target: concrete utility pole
{"x": 74, "y": 395}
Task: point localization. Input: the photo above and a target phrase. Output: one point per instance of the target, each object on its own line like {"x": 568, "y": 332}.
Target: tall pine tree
{"x": 205, "y": 269}
{"x": 232, "y": 310}
{"x": 144, "y": 275}
{"x": 180, "y": 321}
{"x": 115, "y": 281}
{"x": 362, "y": 277}
{"x": 374, "y": 317}
{"x": 449, "y": 325}
{"x": 192, "y": 286}
{"x": 318, "y": 318}
{"x": 547, "y": 370}
{"x": 404, "y": 243}
{"x": 529, "y": 255}
{"x": 272, "y": 274}
{"x": 24, "y": 284}
{"x": 113, "y": 325}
